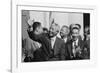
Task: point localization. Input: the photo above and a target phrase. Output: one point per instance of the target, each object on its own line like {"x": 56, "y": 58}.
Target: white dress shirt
{"x": 65, "y": 39}
{"x": 53, "y": 41}
{"x": 74, "y": 49}
{"x": 75, "y": 43}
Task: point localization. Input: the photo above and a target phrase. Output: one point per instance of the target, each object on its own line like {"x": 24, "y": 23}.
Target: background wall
{"x": 40, "y": 16}
{"x": 25, "y": 17}
{"x": 46, "y": 18}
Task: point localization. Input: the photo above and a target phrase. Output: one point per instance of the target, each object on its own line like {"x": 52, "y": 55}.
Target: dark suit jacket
{"x": 43, "y": 53}
{"x": 66, "y": 49}
{"x": 69, "y": 47}
{"x": 58, "y": 52}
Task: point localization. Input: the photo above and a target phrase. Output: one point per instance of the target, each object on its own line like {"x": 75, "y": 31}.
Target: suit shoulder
{"x": 60, "y": 40}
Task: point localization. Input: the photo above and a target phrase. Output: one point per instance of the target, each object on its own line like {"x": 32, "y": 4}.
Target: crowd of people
{"x": 44, "y": 45}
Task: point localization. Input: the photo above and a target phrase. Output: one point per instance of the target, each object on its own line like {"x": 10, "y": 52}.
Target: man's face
{"x": 53, "y": 31}
{"x": 39, "y": 30}
{"x": 64, "y": 32}
{"x": 75, "y": 33}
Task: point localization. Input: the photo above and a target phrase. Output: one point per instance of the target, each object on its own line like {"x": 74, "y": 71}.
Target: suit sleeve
{"x": 46, "y": 45}
{"x": 68, "y": 50}
{"x": 62, "y": 51}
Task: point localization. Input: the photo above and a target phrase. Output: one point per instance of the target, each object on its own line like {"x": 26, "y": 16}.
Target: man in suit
{"x": 64, "y": 33}
{"x": 57, "y": 44}
{"x": 43, "y": 53}
{"x": 75, "y": 45}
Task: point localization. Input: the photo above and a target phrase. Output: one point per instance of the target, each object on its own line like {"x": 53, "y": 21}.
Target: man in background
{"x": 75, "y": 45}
{"x": 64, "y": 33}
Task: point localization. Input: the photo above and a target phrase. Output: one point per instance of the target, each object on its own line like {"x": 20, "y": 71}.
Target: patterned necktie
{"x": 52, "y": 43}
{"x": 74, "y": 49}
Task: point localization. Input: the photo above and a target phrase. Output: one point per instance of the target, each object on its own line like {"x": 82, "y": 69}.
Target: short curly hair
{"x": 35, "y": 25}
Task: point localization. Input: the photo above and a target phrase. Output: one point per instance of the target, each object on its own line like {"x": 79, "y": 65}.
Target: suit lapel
{"x": 71, "y": 46}
{"x": 79, "y": 41}
{"x": 55, "y": 45}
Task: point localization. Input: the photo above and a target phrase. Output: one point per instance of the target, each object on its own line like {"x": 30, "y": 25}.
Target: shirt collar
{"x": 53, "y": 38}
{"x": 65, "y": 39}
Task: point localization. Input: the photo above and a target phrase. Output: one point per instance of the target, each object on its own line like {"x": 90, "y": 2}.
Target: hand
{"x": 78, "y": 49}
{"x": 37, "y": 45}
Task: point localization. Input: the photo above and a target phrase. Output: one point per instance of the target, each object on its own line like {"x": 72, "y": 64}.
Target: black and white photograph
{"x": 54, "y": 36}
{"x": 50, "y": 36}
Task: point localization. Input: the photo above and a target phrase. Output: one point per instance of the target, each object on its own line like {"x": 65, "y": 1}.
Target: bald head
{"x": 54, "y": 29}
